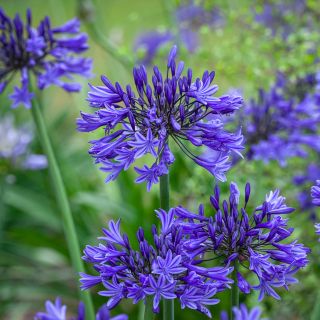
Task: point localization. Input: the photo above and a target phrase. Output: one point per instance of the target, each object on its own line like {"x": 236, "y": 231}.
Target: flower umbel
{"x": 162, "y": 270}
{"x": 173, "y": 106}
{"x": 243, "y": 313}
{"x": 253, "y": 240}
{"x": 50, "y": 54}
{"x": 57, "y": 311}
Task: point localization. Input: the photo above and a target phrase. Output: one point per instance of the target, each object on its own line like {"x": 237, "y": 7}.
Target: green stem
{"x": 234, "y": 290}
{"x": 316, "y": 309}
{"x": 62, "y": 202}
{"x": 148, "y": 311}
{"x": 168, "y": 305}
{"x": 87, "y": 13}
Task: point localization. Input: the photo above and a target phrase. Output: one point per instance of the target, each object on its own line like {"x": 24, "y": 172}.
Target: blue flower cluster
{"x": 248, "y": 240}
{"x": 171, "y": 106}
{"x": 281, "y": 124}
{"x": 58, "y": 311}
{"x": 162, "y": 270}
{"x": 48, "y": 53}
{"x": 243, "y": 313}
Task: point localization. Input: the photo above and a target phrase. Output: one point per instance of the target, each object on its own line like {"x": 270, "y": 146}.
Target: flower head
{"x": 282, "y": 123}
{"x": 173, "y": 106}
{"x": 57, "y": 311}
{"x": 15, "y": 144}
{"x": 251, "y": 240}
{"x": 161, "y": 270}
{"x": 48, "y": 53}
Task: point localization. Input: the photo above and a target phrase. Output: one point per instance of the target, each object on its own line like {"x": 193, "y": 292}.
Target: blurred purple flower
{"x": 315, "y": 194}
{"x": 282, "y": 124}
{"x": 305, "y": 181}
{"x": 14, "y": 146}
{"x": 317, "y": 227}
{"x": 48, "y": 53}
{"x": 150, "y": 43}
{"x": 252, "y": 240}
{"x": 173, "y": 106}
{"x": 274, "y": 16}
{"x": 189, "y": 18}
{"x": 161, "y": 270}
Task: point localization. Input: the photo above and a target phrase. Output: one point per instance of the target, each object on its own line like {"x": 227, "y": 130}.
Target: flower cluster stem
{"x": 148, "y": 311}
{"x": 168, "y": 305}
{"x": 234, "y": 290}
{"x": 62, "y": 202}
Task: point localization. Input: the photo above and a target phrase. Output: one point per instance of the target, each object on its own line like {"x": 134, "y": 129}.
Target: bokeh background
{"x": 245, "y": 51}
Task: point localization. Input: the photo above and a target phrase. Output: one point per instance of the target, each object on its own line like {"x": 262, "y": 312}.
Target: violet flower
{"x": 57, "y": 311}
{"x": 317, "y": 227}
{"x": 315, "y": 194}
{"x": 252, "y": 240}
{"x": 173, "y": 106}
{"x": 50, "y": 54}
{"x": 161, "y": 270}
{"x": 282, "y": 124}
{"x": 243, "y": 313}
{"x": 15, "y": 146}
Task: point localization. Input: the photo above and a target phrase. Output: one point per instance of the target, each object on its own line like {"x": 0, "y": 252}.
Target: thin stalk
{"x": 87, "y": 14}
{"x": 148, "y": 311}
{"x": 234, "y": 290}
{"x": 168, "y": 305}
{"x": 62, "y": 202}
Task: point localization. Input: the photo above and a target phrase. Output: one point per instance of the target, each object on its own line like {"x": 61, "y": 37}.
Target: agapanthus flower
{"x": 150, "y": 42}
{"x": 315, "y": 194}
{"x": 50, "y": 54}
{"x": 283, "y": 122}
{"x": 173, "y": 106}
{"x": 243, "y": 313}
{"x": 58, "y": 311}
{"x": 15, "y": 146}
{"x": 275, "y": 16}
{"x": 190, "y": 17}
{"x": 161, "y": 270}
{"x": 305, "y": 181}
{"x": 253, "y": 239}
{"x": 317, "y": 228}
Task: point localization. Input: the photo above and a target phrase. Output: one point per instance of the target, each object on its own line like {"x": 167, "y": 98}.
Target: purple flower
{"x": 15, "y": 146}
{"x": 162, "y": 270}
{"x": 315, "y": 194}
{"x": 317, "y": 227}
{"x": 173, "y": 106}
{"x": 274, "y": 16}
{"x": 150, "y": 43}
{"x": 160, "y": 288}
{"x": 251, "y": 240}
{"x": 50, "y": 54}
{"x": 57, "y": 311}
{"x": 190, "y": 17}
{"x": 282, "y": 122}
{"x": 243, "y": 313}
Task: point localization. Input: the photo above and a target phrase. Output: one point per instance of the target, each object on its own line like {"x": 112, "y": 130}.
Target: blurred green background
{"x": 34, "y": 263}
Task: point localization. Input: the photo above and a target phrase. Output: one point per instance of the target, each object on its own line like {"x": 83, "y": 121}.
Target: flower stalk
{"x": 63, "y": 203}
{"x": 168, "y": 305}
{"x": 234, "y": 291}
{"x": 148, "y": 311}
